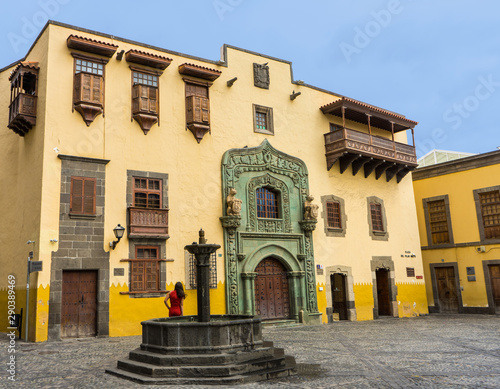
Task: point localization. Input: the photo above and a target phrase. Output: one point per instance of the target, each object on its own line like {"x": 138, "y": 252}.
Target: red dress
{"x": 175, "y": 305}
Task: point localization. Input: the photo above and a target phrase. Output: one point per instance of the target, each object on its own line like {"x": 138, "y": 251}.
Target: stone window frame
{"x": 334, "y": 232}
{"x": 479, "y": 213}
{"x": 425, "y": 202}
{"x": 268, "y": 111}
{"x": 133, "y": 241}
{"x": 377, "y": 235}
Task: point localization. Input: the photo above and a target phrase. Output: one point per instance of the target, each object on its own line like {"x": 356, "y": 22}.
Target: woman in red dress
{"x": 176, "y": 297}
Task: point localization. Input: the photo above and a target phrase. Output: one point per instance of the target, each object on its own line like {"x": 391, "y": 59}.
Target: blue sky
{"x": 438, "y": 63}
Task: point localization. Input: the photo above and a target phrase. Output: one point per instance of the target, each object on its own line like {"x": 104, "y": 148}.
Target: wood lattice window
{"x": 145, "y": 269}
{"x": 88, "y": 92}
{"x": 376, "y": 216}
{"x": 333, "y": 214}
{"x": 193, "y": 272}
{"x": 144, "y": 93}
{"x": 197, "y": 104}
{"x": 267, "y": 203}
{"x": 82, "y": 201}
{"x": 490, "y": 210}
{"x": 438, "y": 222}
{"x": 147, "y": 193}
{"x": 410, "y": 272}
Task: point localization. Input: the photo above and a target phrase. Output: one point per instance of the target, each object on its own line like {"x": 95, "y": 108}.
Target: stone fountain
{"x": 204, "y": 349}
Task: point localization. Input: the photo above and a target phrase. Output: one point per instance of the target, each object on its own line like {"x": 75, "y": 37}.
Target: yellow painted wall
{"x": 363, "y": 293}
{"x": 21, "y": 179}
{"x": 126, "y": 314}
{"x": 459, "y": 187}
{"x": 194, "y": 184}
{"x": 412, "y": 300}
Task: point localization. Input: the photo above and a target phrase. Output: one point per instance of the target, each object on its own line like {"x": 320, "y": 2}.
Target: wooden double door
{"x": 447, "y": 289}
{"x": 79, "y": 304}
{"x": 272, "y": 299}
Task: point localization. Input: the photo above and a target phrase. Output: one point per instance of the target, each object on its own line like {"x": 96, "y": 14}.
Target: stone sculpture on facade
{"x": 233, "y": 204}
{"x": 310, "y": 209}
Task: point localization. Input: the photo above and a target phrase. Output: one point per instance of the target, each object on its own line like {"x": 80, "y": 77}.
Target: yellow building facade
{"x": 101, "y": 132}
{"x": 458, "y": 209}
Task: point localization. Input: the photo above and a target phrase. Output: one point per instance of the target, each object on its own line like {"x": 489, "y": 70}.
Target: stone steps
{"x": 280, "y": 323}
{"x": 201, "y": 359}
{"x": 233, "y": 368}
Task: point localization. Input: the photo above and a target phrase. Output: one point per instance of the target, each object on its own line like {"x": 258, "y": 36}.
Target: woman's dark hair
{"x": 180, "y": 290}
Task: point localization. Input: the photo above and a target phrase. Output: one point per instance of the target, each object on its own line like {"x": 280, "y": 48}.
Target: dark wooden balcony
{"x": 373, "y": 153}
{"x": 22, "y": 113}
{"x": 148, "y": 223}
{"x": 364, "y": 150}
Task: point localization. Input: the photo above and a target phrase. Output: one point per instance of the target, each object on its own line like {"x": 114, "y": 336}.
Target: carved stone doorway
{"x": 383, "y": 295}
{"x": 272, "y": 299}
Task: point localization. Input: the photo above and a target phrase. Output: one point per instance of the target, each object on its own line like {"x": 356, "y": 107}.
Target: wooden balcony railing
{"x": 22, "y": 113}
{"x": 148, "y": 223}
{"x": 359, "y": 149}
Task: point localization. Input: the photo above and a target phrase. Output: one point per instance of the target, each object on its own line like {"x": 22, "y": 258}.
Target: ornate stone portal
{"x": 287, "y": 238}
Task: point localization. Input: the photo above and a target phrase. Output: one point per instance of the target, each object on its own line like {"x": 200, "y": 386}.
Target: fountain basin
{"x": 185, "y": 335}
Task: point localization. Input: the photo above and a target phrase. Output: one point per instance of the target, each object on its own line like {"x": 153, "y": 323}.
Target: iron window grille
{"x": 193, "y": 272}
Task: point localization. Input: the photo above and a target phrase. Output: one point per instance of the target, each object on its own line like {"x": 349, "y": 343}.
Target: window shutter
{"x": 137, "y": 276}
{"x": 205, "y": 110}
{"x": 76, "y": 195}
{"x": 86, "y": 87}
{"x": 98, "y": 89}
{"x": 190, "y": 109}
{"x": 153, "y": 99}
{"x": 197, "y": 109}
{"x": 89, "y": 197}
{"x": 151, "y": 275}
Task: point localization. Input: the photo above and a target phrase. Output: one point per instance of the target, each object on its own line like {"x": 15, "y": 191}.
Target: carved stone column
{"x": 230, "y": 225}
{"x": 249, "y": 285}
{"x": 296, "y": 295}
{"x": 308, "y": 226}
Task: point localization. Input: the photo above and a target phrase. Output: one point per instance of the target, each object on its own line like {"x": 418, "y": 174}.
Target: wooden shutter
{"x": 76, "y": 205}
{"x": 82, "y": 195}
{"x": 88, "y": 88}
{"x": 89, "y": 197}
{"x": 137, "y": 276}
{"x": 197, "y": 109}
{"x": 144, "y": 99}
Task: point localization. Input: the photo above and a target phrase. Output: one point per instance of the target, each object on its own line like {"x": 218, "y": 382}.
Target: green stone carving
{"x": 249, "y": 239}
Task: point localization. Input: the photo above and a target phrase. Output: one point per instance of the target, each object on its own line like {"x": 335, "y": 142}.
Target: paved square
{"x": 437, "y": 351}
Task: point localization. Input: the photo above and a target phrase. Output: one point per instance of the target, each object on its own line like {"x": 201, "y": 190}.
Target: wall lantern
{"x": 118, "y": 231}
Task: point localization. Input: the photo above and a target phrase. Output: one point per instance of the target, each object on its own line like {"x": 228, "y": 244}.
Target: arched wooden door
{"x": 271, "y": 290}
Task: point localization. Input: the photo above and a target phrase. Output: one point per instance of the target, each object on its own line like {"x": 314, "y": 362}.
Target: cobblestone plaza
{"x": 436, "y": 351}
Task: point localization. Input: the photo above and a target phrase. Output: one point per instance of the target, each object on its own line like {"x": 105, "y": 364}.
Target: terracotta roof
{"x": 360, "y": 104}
{"x": 91, "y": 40}
{"x": 147, "y": 59}
{"x": 190, "y": 69}
{"x": 91, "y": 45}
{"x": 25, "y": 64}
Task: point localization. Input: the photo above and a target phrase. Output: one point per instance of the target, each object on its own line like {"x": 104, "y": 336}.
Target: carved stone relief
{"x": 261, "y": 75}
